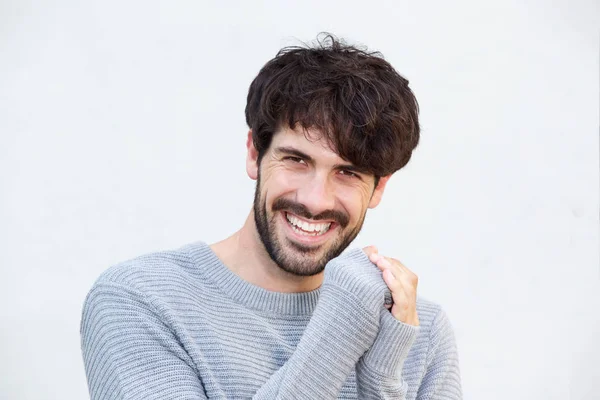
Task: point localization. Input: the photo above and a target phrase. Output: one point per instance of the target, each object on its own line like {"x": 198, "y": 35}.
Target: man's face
{"x": 309, "y": 203}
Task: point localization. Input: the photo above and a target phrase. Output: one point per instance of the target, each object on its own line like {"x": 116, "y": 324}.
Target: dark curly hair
{"x": 355, "y": 98}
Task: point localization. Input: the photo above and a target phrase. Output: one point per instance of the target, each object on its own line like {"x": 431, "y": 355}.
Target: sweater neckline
{"x": 242, "y": 291}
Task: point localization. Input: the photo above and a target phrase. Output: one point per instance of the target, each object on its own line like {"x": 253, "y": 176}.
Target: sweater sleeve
{"x": 342, "y": 328}
{"x": 378, "y": 373}
{"x": 379, "y": 370}
{"x": 128, "y": 351}
{"x": 442, "y": 377}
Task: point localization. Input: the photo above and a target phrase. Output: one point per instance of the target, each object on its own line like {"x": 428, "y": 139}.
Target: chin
{"x": 301, "y": 259}
{"x": 296, "y": 252}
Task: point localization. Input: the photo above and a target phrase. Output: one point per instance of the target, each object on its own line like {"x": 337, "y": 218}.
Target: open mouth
{"x": 308, "y": 228}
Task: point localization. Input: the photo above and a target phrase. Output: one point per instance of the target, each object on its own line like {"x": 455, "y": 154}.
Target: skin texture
{"x": 302, "y": 175}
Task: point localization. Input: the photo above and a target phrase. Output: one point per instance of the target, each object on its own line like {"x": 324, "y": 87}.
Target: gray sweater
{"x": 180, "y": 325}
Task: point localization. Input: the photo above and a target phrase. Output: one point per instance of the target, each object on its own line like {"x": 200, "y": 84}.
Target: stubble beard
{"x": 290, "y": 256}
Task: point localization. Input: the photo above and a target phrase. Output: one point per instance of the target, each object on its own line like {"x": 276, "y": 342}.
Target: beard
{"x": 296, "y": 258}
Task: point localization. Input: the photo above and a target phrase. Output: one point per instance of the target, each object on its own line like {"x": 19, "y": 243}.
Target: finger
{"x": 383, "y": 263}
{"x": 396, "y": 265}
{"x": 389, "y": 279}
{"x": 375, "y": 257}
{"x": 405, "y": 272}
{"x": 400, "y": 271}
{"x": 401, "y": 285}
{"x": 392, "y": 282}
{"x": 399, "y": 265}
{"x": 400, "y": 292}
{"x": 369, "y": 250}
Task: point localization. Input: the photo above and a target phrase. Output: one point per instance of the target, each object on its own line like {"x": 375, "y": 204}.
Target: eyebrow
{"x": 307, "y": 158}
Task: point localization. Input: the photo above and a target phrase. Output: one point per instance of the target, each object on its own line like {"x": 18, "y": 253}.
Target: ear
{"x": 378, "y": 192}
{"x": 251, "y": 158}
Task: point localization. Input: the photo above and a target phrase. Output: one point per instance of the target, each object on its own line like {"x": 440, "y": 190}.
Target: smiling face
{"x": 309, "y": 203}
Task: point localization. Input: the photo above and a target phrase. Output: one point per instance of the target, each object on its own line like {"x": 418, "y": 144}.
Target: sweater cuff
{"x": 354, "y": 272}
{"x": 391, "y": 347}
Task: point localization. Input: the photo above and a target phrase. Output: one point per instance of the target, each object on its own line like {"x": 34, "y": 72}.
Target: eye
{"x": 294, "y": 159}
{"x": 349, "y": 174}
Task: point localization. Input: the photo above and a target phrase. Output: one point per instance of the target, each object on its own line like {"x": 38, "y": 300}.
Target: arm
{"x": 378, "y": 373}
{"x": 128, "y": 351}
{"x": 342, "y": 328}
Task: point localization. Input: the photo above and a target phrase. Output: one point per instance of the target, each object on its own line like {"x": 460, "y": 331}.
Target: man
{"x": 276, "y": 311}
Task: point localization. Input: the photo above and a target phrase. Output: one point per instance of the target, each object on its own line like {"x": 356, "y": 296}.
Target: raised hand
{"x": 402, "y": 282}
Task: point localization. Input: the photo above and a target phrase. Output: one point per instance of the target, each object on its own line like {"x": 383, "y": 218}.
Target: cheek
{"x": 278, "y": 182}
{"x": 353, "y": 201}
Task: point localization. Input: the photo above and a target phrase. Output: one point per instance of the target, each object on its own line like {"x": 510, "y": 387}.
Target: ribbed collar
{"x": 252, "y": 296}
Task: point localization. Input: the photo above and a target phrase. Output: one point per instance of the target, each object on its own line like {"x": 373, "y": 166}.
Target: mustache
{"x": 299, "y": 209}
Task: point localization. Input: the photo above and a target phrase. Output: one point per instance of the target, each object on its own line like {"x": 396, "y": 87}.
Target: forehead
{"x": 309, "y": 141}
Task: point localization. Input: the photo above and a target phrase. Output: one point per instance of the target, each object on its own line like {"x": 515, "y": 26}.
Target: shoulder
{"x": 152, "y": 273}
{"x": 436, "y": 332}
{"x": 436, "y": 353}
{"x": 427, "y": 309}
{"x": 155, "y": 286}
{"x": 433, "y": 320}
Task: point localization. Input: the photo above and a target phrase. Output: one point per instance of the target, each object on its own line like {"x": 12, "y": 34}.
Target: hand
{"x": 402, "y": 282}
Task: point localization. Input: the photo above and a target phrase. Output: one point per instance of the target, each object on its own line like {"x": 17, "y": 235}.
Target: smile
{"x": 306, "y": 228}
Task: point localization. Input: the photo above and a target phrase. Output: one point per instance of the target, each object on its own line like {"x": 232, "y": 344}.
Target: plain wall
{"x": 122, "y": 132}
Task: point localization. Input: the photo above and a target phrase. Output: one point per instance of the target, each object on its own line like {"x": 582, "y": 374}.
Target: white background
{"x": 122, "y": 132}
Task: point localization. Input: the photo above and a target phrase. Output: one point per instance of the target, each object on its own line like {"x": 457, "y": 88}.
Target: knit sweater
{"x": 180, "y": 325}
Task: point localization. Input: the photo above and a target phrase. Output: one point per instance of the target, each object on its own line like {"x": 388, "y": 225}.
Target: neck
{"x": 245, "y": 255}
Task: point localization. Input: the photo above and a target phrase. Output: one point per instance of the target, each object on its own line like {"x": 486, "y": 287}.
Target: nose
{"x": 316, "y": 193}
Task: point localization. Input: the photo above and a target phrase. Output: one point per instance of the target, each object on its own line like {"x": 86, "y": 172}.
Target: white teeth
{"x": 306, "y": 228}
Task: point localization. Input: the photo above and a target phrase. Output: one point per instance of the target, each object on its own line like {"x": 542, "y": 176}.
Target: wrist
{"x": 391, "y": 346}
